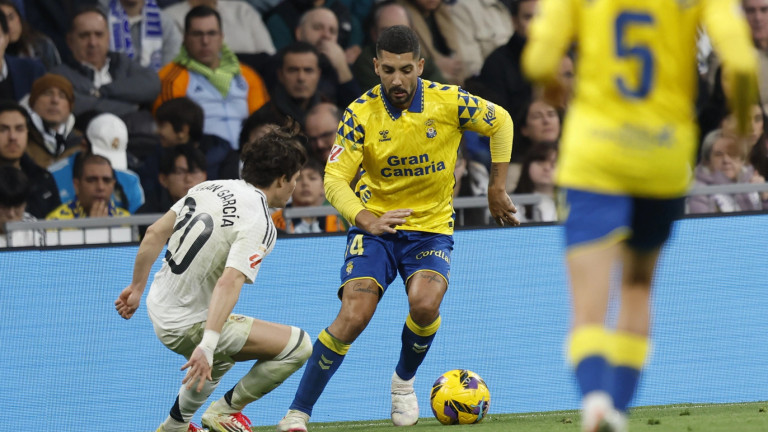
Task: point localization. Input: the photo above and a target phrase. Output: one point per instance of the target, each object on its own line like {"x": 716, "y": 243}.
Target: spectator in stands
{"x": 723, "y": 162}
{"x": 386, "y": 14}
{"x": 181, "y": 167}
{"x": 537, "y": 122}
{"x": 257, "y": 125}
{"x": 482, "y": 26}
{"x": 14, "y": 137}
{"x": 94, "y": 182}
{"x": 103, "y": 80}
{"x": 24, "y": 41}
{"x": 50, "y": 108}
{"x": 537, "y": 176}
{"x": 143, "y": 32}
{"x": 756, "y": 12}
{"x": 438, "y": 35}
{"x": 106, "y": 135}
{"x": 298, "y": 75}
{"x": 309, "y": 192}
{"x": 244, "y": 30}
{"x": 208, "y": 72}
{"x": 320, "y": 28}
{"x": 758, "y": 156}
{"x": 501, "y": 74}
{"x": 180, "y": 122}
{"x": 53, "y": 17}
{"x": 322, "y": 125}
{"x": 14, "y": 190}
{"x": 283, "y": 20}
{"x": 17, "y": 74}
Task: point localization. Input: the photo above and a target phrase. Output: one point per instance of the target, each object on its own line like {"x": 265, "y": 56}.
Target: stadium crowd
{"x": 187, "y": 84}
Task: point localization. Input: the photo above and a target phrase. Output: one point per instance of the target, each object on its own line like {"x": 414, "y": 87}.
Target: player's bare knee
{"x": 424, "y": 311}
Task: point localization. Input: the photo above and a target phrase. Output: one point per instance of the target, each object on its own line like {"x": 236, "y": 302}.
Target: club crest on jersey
{"x": 431, "y": 131}
{"x": 336, "y": 151}
{"x": 349, "y": 267}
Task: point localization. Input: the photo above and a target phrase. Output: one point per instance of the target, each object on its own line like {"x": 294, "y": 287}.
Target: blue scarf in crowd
{"x": 151, "y": 34}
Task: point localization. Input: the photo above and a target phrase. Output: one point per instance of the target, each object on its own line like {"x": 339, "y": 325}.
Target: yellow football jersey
{"x": 408, "y": 156}
{"x": 631, "y": 126}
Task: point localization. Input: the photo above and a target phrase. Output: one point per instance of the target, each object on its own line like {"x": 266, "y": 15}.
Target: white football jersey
{"x": 220, "y": 223}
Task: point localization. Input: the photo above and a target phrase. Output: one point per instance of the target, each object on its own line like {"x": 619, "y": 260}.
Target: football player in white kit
{"x": 217, "y": 236}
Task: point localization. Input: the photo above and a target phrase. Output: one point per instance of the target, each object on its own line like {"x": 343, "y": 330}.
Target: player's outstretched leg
{"x": 225, "y": 414}
{"x": 327, "y": 355}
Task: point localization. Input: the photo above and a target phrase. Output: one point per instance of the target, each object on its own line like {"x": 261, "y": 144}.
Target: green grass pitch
{"x": 741, "y": 417}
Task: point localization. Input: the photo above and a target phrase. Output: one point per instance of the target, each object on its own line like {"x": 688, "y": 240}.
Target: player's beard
{"x": 399, "y": 101}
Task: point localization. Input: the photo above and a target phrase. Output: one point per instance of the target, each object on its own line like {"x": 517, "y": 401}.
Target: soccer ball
{"x": 459, "y": 396}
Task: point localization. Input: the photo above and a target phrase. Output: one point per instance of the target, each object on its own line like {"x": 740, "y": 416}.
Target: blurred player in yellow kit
{"x": 625, "y": 163}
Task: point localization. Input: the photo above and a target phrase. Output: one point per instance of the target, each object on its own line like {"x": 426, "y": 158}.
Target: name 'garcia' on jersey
{"x": 407, "y": 166}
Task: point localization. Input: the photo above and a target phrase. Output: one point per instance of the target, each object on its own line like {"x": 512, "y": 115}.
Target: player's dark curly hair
{"x": 277, "y": 154}
{"x": 398, "y": 39}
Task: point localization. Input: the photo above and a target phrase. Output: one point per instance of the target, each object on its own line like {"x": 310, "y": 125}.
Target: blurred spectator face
{"x": 14, "y": 22}
{"x": 756, "y": 121}
{"x": 53, "y": 106}
{"x": 260, "y": 131}
{"x": 300, "y": 74}
{"x": 428, "y": 5}
{"x": 11, "y": 214}
{"x": 309, "y": 189}
{"x": 319, "y": 25}
{"x": 542, "y": 123}
{"x": 399, "y": 75}
{"x": 389, "y": 16}
{"x": 525, "y": 12}
{"x": 169, "y": 137}
{"x": 542, "y": 171}
{"x": 182, "y": 178}
{"x": 203, "y": 40}
{"x": 321, "y": 128}
{"x": 13, "y": 136}
{"x": 89, "y": 39}
{"x": 727, "y": 157}
{"x": 757, "y": 17}
{"x": 96, "y": 184}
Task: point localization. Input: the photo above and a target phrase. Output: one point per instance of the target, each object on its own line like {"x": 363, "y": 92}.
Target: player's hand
{"x": 501, "y": 207}
{"x": 128, "y": 301}
{"x": 385, "y": 224}
{"x": 99, "y": 209}
{"x": 199, "y": 370}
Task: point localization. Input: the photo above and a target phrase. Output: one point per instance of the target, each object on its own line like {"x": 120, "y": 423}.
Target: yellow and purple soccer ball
{"x": 460, "y": 396}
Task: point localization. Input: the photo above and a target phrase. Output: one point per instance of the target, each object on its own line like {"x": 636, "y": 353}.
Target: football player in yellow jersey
{"x": 405, "y": 134}
{"x": 625, "y": 163}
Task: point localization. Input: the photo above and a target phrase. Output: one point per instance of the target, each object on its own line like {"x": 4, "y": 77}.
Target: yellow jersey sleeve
{"x": 727, "y": 28}
{"x": 486, "y": 118}
{"x": 549, "y": 36}
{"x": 343, "y": 165}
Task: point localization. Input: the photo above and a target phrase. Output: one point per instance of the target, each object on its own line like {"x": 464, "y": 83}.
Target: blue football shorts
{"x": 406, "y": 252}
{"x": 645, "y": 223}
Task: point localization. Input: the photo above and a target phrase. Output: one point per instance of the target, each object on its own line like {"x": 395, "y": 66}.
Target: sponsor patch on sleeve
{"x": 336, "y": 151}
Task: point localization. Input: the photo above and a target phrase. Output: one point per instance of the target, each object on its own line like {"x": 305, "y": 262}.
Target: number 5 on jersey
{"x": 639, "y": 52}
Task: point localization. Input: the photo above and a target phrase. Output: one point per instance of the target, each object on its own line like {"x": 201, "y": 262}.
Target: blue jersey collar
{"x": 417, "y": 103}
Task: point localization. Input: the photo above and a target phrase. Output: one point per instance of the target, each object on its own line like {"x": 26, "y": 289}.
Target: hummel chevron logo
{"x": 420, "y": 349}
{"x": 324, "y": 363}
